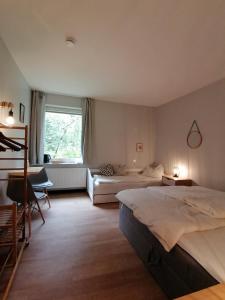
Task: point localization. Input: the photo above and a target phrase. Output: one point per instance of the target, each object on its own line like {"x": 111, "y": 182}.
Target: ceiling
{"x": 130, "y": 51}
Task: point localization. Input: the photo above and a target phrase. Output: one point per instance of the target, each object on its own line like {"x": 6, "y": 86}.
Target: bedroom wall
{"x": 205, "y": 165}
{"x": 13, "y": 86}
{"x": 61, "y": 100}
{"x": 118, "y": 127}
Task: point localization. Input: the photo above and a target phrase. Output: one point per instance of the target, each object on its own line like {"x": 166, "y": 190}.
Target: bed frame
{"x": 176, "y": 271}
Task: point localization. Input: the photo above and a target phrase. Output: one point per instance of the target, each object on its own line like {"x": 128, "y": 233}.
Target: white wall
{"x": 206, "y": 165}
{"x": 61, "y": 100}
{"x": 118, "y": 127}
{"x": 13, "y": 87}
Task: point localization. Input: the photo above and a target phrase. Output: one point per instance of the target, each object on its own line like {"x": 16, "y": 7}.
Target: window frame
{"x": 70, "y": 111}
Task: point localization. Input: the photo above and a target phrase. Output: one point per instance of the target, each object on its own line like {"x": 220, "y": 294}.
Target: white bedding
{"x": 208, "y": 248}
{"x": 114, "y": 184}
{"x": 166, "y": 214}
{"x": 99, "y": 179}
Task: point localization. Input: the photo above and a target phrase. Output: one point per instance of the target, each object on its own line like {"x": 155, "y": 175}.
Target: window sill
{"x": 64, "y": 165}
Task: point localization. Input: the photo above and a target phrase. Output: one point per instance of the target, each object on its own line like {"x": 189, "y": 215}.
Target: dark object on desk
{"x": 177, "y": 272}
{"x": 47, "y": 158}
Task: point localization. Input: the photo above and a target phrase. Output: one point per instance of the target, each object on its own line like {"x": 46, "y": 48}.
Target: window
{"x": 63, "y": 130}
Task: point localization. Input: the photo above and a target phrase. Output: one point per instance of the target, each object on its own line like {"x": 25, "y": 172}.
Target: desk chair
{"x": 41, "y": 183}
{"x": 15, "y": 193}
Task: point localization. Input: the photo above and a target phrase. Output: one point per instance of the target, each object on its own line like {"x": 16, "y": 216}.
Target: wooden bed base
{"x": 176, "y": 271}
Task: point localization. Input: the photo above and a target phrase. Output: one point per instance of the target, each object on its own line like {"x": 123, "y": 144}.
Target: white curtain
{"x": 38, "y": 101}
{"x": 87, "y": 130}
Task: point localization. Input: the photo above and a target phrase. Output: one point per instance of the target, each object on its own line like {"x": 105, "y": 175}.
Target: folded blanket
{"x": 164, "y": 212}
{"x": 207, "y": 201}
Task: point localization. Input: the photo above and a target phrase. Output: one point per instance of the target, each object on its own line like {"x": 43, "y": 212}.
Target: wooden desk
{"x": 216, "y": 292}
{"x": 30, "y": 170}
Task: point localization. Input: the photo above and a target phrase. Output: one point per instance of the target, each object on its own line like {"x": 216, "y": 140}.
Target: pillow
{"x": 153, "y": 171}
{"x": 146, "y": 171}
{"x": 120, "y": 170}
{"x": 157, "y": 172}
{"x": 106, "y": 170}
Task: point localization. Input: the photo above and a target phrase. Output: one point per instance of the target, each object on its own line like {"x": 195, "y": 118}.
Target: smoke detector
{"x": 70, "y": 42}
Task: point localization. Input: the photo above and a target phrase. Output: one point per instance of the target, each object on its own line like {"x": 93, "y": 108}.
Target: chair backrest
{"x": 15, "y": 190}
{"x": 41, "y": 177}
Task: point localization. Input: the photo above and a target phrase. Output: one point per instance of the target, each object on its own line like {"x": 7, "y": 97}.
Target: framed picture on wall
{"x": 22, "y": 112}
{"x": 139, "y": 147}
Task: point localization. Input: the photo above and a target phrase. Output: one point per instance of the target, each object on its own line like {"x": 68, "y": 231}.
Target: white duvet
{"x": 99, "y": 179}
{"x": 168, "y": 214}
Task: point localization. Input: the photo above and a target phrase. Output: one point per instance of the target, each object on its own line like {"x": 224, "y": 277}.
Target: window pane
{"x": 63, "y": 135}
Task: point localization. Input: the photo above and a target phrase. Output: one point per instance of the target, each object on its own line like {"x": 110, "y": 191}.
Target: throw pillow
{"x": 106, "y": 170}
{"x": 155, "y": 171}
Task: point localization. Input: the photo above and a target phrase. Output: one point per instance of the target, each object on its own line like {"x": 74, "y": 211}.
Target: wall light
{"x": 10, "y": 119}
{"x": 7, "y": 117}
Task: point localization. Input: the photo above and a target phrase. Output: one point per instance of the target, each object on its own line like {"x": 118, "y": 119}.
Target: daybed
{"x": 180, "y": 262}
{"x": 102, "y": 189}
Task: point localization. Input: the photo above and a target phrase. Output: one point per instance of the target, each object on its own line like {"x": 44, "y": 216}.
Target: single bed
{"x": 102, "y": 189}
{"x": 196, "y": 261}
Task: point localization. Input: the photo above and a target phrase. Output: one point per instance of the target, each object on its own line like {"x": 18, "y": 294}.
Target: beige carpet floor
{"x": 80, "y": 253}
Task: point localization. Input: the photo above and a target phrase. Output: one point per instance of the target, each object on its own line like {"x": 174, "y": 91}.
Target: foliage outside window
{"x": 63, "y": 136}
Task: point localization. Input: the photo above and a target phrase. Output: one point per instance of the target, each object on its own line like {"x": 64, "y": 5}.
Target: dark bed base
{"x": 176, "y": 272}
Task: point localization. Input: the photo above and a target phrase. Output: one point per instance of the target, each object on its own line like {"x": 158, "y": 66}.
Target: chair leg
{"x": 47, "y": 197}
{"x": 40, "y": 211}
{"x": 29, "y": 221}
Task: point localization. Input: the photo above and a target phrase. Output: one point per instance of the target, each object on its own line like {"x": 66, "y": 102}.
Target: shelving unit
{"x": 13, "y": 217}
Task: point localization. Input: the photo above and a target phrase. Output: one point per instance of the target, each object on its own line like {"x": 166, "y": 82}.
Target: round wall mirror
{"x": 194, "y": 138}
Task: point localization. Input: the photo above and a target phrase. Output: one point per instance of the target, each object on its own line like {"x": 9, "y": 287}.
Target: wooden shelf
{"x": 13, "y": 220}
{"x": 6, "y": 220}
{"x": 6, "y": 237}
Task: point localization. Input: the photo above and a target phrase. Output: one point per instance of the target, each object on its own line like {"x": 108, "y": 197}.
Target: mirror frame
{"x": 194, "y": 130}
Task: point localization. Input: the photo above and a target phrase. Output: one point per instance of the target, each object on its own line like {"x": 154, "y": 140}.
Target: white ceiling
{"x": 133, "y": 51}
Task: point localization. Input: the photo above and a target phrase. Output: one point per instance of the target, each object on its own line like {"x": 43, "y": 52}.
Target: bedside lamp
{"x": 176, "y": 172}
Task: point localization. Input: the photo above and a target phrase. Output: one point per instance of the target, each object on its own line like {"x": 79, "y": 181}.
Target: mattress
{"x": 114, "y": 184}
{"x": 208, "y": 248}
{"x": 177, "y": 272}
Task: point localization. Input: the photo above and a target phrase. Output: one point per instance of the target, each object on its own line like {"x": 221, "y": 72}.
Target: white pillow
{"x": 155, "y": 172}
{"x": 120, "y": 170}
